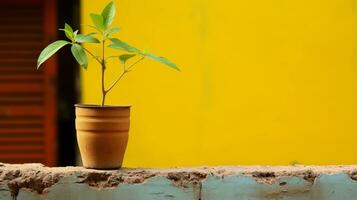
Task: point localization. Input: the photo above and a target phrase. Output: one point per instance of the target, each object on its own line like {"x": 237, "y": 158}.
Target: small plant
{"x": 102, "y": 24}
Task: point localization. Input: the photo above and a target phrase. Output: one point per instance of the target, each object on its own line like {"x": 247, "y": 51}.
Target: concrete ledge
{"x": 35, "y": 182}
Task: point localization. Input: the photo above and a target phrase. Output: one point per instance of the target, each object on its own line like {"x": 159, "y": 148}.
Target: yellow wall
{"x": 262, "y": 81}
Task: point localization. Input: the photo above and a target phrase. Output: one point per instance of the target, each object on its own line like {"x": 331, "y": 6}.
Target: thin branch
{"x": 136, "y": 62}
{"x": 125, "y": 70}
{"x": 94, "y": 56}
{"x": 119, "y": 78}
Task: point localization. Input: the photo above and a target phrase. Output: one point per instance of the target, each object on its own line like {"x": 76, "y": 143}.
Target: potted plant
{"x": 102, "y": 130}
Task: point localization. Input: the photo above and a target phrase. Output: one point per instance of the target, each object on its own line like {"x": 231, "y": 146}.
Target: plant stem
{"x": 102, "y": 62}
{"x": 104, "y": 93}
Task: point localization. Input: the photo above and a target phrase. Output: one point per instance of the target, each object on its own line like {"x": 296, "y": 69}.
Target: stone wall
{"x": 35, "y": 182}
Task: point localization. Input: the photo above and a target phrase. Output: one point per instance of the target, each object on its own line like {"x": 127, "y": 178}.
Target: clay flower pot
{"x": 102, "y": 135}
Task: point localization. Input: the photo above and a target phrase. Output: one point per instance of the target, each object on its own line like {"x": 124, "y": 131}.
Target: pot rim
{"x": 79, "y": 105}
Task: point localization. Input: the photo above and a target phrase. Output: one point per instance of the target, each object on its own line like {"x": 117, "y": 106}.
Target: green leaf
{"x": 79, "y": 55}
{"x": 118, "y": 44}
{"x": 94, "y": 27}
{"x": 68, "y": 34}
{"x": 68, "y": 27}
{"x": 50, "y": 50}
{"x": 108, "y": 14}
{"x": 75, "y": 33}
{"x": 86, "y": 39}
{"x": 113, "y": 30}
{"x": 123, "y": 58}
{"x": 162, "y": 60}
{"x": 98, "y": 21}
{"x": 68, "y": 31}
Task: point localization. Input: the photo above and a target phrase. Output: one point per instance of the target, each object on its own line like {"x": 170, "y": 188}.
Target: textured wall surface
{"x": 262, "y": 81}
{"x": 35, "y": 182}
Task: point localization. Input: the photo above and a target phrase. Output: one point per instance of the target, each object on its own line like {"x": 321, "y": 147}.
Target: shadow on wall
{"x": 68, "y": 88}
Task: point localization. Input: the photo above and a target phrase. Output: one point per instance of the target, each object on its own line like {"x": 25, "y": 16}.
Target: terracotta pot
{"x": 102, "y": 135}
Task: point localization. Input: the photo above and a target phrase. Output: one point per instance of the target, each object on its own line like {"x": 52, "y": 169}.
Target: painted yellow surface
{"x": 262, "y": 82}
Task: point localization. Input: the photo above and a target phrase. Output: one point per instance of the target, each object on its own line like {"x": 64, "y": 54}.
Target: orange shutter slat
{"x": 24, "y": 110}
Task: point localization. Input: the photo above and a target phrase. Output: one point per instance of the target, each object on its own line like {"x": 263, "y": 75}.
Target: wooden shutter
{"x": 27, "y": 95}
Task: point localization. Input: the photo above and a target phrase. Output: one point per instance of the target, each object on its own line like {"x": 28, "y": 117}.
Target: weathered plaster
{"x": 36, "y": 182}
